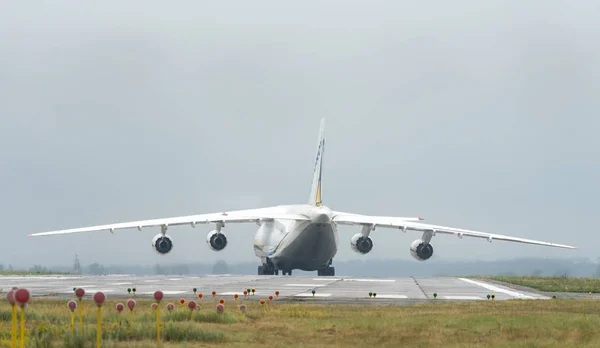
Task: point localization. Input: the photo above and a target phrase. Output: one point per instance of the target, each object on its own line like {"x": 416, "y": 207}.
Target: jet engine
{"x": 421, "y": 250}
{"x": 217, "y": 241}
{"x": 162, "y": 244}
{"x": 361, "y": 244}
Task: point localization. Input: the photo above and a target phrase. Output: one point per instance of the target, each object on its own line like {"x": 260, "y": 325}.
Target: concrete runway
{"x": 291, "y": 288}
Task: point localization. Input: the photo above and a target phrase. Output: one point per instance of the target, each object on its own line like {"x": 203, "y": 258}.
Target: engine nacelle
{"x": 420, "y": 250}
{"x": 162, "y": 244}
{"x": 360, "y": 244}
{"x": 216, "y": 241}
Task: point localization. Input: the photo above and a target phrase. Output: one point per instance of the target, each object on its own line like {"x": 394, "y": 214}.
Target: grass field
{"x": 560, "y": 284}
{"x": 518, "y": 323}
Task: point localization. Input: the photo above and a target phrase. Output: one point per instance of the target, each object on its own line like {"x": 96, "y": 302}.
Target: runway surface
{"x": 291, "y": 288}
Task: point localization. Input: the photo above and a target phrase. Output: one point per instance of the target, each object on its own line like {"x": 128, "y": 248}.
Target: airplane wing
{"x": 239, "y": 216}
{"x": 410, "y": 225}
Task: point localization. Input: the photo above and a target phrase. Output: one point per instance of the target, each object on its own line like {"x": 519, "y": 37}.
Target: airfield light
{"x": 200, "y": 296}
{"x": 221, "y": 301}
{"x": 191, "y": 305}
{"x": 131, "y": 306}
{"x": 10, "y": 296}
{"x": 119, "y": 307}
{"x": 74, "y": 289}
{"x": 72, "y": 305}
{"x": 370, "y": 294}
{"x": 129, "y": 291}
{"x": 277, "y": 294}
{"x": 154, "y": 306}
{"x": 313, "y": 293}
{"x": 235, "y": 297}
{"x": 194, "y": 289}
{"x": 488, "y": 296}
{"x": 99, "y": 298}
{"x": 182, "y": 301}
{"x": 158, "y": 296}
{"x": 248, "y": 290}
{"x": 21, "y": 297}
{"x": 243, "y": 308}
{"x": 170, "y": 307}
{"x": 245, "y": 294}
{"x": 253, "y": 290}
{"x": 220, "y": 308}
{"x": 214, "y": 293}
{"x": 435, "y": 295}
{"x": 79, "y": 292}
{"x": 493, "y": 296}
{"x": 270, "y": 299}
{"x": 133, "y": 291}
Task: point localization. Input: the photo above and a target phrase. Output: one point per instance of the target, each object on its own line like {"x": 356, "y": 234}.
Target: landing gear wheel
{"x": 326, "y": 272}
{"x": 266, "y": 270}
{"x": 283, "y": 272}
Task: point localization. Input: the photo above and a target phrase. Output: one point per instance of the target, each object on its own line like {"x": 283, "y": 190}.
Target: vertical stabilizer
{"x": 315, "y": 192}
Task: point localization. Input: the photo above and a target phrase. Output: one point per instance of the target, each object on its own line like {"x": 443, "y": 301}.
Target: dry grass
{"x": 555, "y": 284}
{"x": 515, "y": 323}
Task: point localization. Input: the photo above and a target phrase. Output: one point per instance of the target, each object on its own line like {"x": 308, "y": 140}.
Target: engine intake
{"x": 216, "y": 241}
{"x": 421, "y": 250}
{"x": 361, "y": 244}
{"x": 162, "y": 244}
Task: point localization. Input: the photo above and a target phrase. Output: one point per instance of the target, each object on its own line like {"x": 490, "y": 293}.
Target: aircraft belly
{"x": 309, "y": 249}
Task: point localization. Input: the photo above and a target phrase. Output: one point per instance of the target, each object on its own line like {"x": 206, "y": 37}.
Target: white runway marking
{"x": 390, "y": 296}
{"x": 151, "y": 280}
{"x": 370, "y": 280}
{"x": 462, "y": 297}
{"x": 306, "y": 285}
{"x": 325, "y": 278}
{"x": 308, "y": 294}
{"x": 498, "y": 289}
{"x": 124, "y": 283}
{"x": 174, "y": 279}
{"x": 241, "y": 294}
{"x": 166, "y": 292}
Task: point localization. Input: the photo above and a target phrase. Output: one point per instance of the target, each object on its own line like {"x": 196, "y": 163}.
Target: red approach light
{"x": 245, "y": 293}
{"x": 79, "y": 292}
{"x": 154, "y": 306}
{"x": 276, "y": 293}
{"x": 270, "y": 298}
{"x": 120, "y": 307}
{"x": 214, "y": 293}
{"x": 99, "y": 298}
{"x": 200, "y": 296}
{"x": 220, "y": 307}
{"x": 131, "y": 304}
{"x": 192, "y": 305}
{"x": 243, "y": 308}
{"x": 221, "y": 301}
{"x": 22, "y": 296}
{"x": 10, "y": 296}
{"x": 182, "y": 301}
{"x": 170, "y": 307}
{"x": 235, "y": 296}
{"x": 72, "y": 305}
{"x": 158, "y": 295}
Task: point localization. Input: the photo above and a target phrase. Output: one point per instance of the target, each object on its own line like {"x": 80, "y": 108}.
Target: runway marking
{"x": 308, "y": 294}
{"x": 462, "y": 297}
{"x": 151, "y": 280}
{"x": 306, "y": 285}
{"x": 231, "y": 293}
{"x": 325, "y": 278}
{"x": 498, "y": 289}
{"x": 174, "y": 279}
{"x": 370, "y": 280}
{"x": 124, "y": 283}
{"x": 166, "y": 292}
{"x": 390, "y": 296}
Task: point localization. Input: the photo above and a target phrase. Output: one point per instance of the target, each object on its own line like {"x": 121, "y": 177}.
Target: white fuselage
{"x": 308, "y": 245}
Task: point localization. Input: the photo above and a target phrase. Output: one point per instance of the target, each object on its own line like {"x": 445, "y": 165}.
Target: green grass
{"x": 556, "y": 284}
{"x": 514, "y": 323}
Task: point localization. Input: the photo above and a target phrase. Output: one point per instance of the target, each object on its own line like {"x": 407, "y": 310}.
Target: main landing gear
{"x": 269, "y": 269}
{"x": 328, "y": 271}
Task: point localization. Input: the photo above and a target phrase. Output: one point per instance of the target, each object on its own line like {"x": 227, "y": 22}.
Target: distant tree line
{"x": 372, "y": 268}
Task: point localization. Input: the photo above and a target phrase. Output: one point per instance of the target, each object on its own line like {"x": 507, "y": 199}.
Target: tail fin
{"x": 315, "y": 193}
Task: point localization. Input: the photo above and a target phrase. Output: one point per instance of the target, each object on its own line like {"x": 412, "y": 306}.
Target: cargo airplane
{"x": 301, "y": 236}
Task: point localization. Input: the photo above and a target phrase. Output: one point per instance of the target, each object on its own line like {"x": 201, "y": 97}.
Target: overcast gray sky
{"x": 473, "y": 114}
